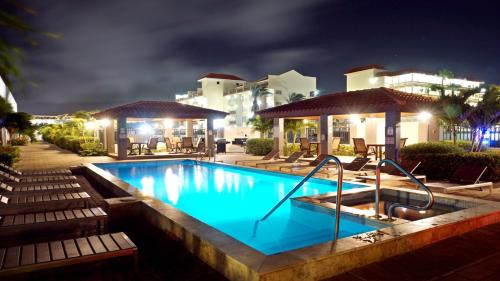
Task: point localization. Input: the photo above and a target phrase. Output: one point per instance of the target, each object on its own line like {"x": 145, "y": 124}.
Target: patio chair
{"x": 305, "y": 146}
{"x": 5, "y": 177}
{"x": 273, "y": 154}
{"x": 335, "y": 144}
{"x": 31, "y": 257}
{"x": 35, "y": 227}
{"x": 13, "y": 171}
{"x": 152, "y": 144}
{"x": 361, "y": 148}
{"x": 39, "y": 188}
{"x": 390, "y": 173}
{"x": 169, "y": 146}
{"x": 187, "y": 144}
{"x": 291, "y": 159}
{"x": 354, "y": 167}
{"x": 467, "y": 175}
{"x": 130, "y": 148}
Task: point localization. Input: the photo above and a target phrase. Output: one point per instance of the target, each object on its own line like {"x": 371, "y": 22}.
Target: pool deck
{"x": 471, "y": 256}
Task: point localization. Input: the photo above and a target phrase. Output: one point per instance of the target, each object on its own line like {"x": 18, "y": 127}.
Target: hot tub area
{"x": 211, "y": 208}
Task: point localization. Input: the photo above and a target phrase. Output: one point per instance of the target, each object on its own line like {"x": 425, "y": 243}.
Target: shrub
{"x": 22, "y": 140}
{"x": 440, "y": 160}
{"x": 9, "y": 154}
{"x": 92, "y": 149}
{"x": 345, "y": 150}
{"x": 290, "y": 148}
{"x": 259, "y": 146}
{"x": 466, "y": 145}
{"x": 430, "y": 147}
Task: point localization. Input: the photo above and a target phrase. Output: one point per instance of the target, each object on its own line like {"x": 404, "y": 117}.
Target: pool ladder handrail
{"x": 400, "y": 205}
{"x": 201, "y": 156}
{"x": 338, "y": 201}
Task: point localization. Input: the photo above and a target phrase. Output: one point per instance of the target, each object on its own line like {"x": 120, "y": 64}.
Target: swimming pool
{"x": 231, "y": 199}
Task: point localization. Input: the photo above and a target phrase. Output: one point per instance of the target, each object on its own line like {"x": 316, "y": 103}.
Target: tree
{"x": 445, "y": 74}
{"x": 5, "y": 108}
{"x": 18, "y": 123}
{"x": 11, "y": 50}
{"x": 452, "y": 108}
{"x": 257, "y": 92}
{"x": 295, "y": 126}
{"x": 261, "y": 125}
{"x": 483, "y": 116}
{"x": 294, "y": 97}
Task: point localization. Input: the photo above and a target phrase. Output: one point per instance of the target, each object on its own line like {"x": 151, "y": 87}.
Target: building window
{"x": 311, "y": 94}
{"x": 277, "y": 92}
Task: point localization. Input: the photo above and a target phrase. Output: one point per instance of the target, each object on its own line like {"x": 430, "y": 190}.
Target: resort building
{"x": 7, "y": 95}
{"x": 406, "y": 80}
{"x": 232, "y": 94}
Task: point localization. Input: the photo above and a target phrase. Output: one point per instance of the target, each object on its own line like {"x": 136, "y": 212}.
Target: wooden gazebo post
{"x": 122, "y": 137}
{"x": 325, "y": 134}
{"x": 392, "y": 134}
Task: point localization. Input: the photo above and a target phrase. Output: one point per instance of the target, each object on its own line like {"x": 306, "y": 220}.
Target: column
{"x": 209, "y": 136}
{"x": 278, "y": 134}
{"x": 122, "y": 137}
{"x": 392, "y": 134}
{"x": 325, "y": 134}
{"x": 189, "y": 128}
{"x": 109, "y": 137}
{"x": 433, "y": 130}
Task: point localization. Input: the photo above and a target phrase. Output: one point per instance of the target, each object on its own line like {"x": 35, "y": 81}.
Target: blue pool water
{"x": 231, "y": 198}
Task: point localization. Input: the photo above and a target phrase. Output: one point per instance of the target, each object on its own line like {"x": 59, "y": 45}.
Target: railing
{"x": 338, "y": 201}
{"x": 396, "y": 205}
{"x": 210, "y": 152}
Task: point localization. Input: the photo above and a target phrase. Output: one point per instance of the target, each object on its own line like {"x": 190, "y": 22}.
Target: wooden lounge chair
{"x": 152, "y": 144}
{"x": 169, "y": 146}
{"x": 273, "y": 154}
{"x": 13, "y": 171}
{"x": 63, "y": 253}
{"x": 355, "y": 166}
{"x": 39, "y": 188}
{"x": 361, "y": 148}
{"x": 130, "y": 148}
{"x": 298, "y": 165}
{"x": 291, "y": 159}
{"x": 35, "y": 227}
{"x": 305, "y": 146}
{"x": 335, "y": 145}
{"x": 43, "y": 202}
{"x": 187, "y": 144}
{"x": 34, "y": 179}
{"x": 467, "y": 175}
{"x": 390, "y": 173}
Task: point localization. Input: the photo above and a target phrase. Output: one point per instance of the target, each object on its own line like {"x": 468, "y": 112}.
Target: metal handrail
{"x": 340, "y": 172}
{"x": 396, "y": 205}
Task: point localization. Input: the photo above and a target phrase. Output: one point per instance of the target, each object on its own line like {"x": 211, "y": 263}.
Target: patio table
{"x": 139, "y": 145}
{"x": 378, "y": 149}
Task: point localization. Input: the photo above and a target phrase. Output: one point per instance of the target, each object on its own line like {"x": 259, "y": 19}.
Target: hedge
{"x": 259, "y": 146}
{"x": 9, "y": 154}
{"x": 439, "y": 161}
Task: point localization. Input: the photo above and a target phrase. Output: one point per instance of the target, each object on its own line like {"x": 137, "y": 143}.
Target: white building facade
{"x": 7, "y": 95}
{"x": 233, "y": 94}
{"x": 415, "y": 129}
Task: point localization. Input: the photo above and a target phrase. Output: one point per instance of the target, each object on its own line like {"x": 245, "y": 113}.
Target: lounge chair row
{"x": 36, "y": 208}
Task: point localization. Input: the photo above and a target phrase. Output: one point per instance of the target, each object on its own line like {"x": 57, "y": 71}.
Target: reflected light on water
{"x": 148, "y": 185}
{"x": 281, "y": 190}
{"x": 198, "y": 178}
{"x": 173, "y": 186}
{"x": 219, "y": 179}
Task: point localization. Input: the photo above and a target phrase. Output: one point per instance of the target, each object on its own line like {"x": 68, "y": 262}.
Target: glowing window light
{"x": 355, "y": 119}
{"x": 145, "y": 129}
{"x": 373, "y": 80}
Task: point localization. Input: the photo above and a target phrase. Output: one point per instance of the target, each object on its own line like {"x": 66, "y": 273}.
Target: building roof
{"x": 159, "y": 109}
{"x": 365, "y": 67}
{"x": 363, "y": 101}
{"x": 222, "y": 76}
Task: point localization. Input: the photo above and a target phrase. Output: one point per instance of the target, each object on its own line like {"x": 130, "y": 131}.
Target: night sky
{"x": 117, "y": 51}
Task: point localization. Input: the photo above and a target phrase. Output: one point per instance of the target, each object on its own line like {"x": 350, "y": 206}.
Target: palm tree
{"x": 451, "y": 109}
{"x": 445, "y": 74}
{"x": 483, "y": 116}
{"x": 261, "y": 125}
{"x": 293, "y": 97}
{"x": 257, "y": 92}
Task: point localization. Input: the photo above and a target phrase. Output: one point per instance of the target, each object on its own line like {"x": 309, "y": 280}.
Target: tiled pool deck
{"x": 459, "y": 257}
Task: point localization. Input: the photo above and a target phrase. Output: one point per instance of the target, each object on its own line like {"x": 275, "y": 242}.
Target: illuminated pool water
{"x": 231, "y": 199}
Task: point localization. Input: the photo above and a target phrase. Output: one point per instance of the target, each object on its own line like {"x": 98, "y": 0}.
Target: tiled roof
{"x": 222, "y": 76}
{"x": 365, "y": 67}
{"x": 159, "y": 109}
{"x": 363, "y": 101}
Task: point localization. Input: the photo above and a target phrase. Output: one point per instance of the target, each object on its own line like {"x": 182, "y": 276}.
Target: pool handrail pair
{"x": 338, "y": 201}
{"x": 393, "y": 206}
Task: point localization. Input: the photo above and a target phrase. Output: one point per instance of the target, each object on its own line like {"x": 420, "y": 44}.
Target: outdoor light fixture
{"x": 90, "y": 125}
{"x": 145, "y": 129}
{"x": 424, "y": 116}
{"x": 168, "y": 123}
{"x": 354, "y": 119}
{"x": 316, "y": 93}
{"x": 483, "y": 90}
{"x": 218, "y": 123}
